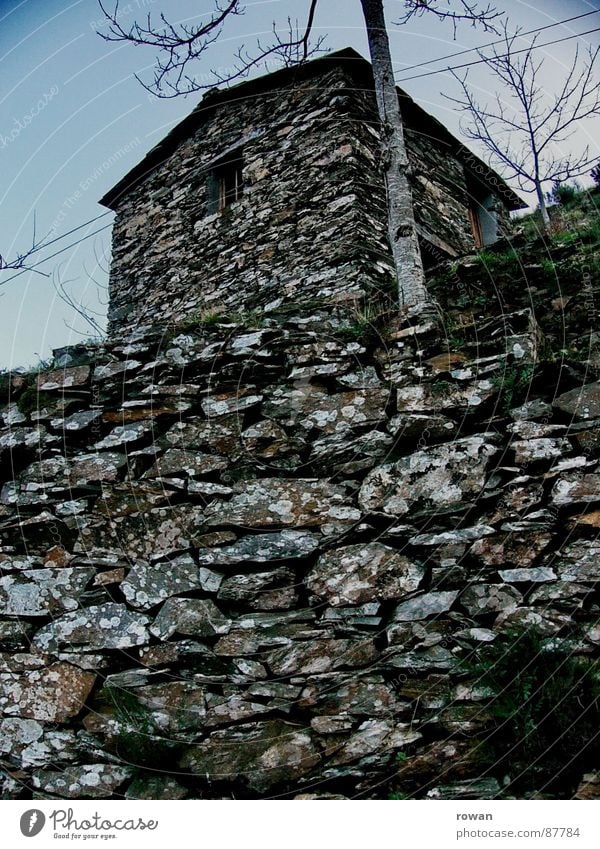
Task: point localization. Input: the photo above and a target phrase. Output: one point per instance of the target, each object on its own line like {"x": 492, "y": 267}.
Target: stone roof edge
{"x": 359, "y": 67}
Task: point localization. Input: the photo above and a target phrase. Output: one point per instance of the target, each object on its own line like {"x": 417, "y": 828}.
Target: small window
{"x": 225, "y": 184}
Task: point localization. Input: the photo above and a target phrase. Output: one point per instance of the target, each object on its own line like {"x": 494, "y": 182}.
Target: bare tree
{"x": 523, "y": 128}
{"x": 179, "y": 46}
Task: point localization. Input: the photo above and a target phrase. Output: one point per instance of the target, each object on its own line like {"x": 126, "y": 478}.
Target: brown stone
{"x": 65, "y": 378}
{"x": 53, "y": 694}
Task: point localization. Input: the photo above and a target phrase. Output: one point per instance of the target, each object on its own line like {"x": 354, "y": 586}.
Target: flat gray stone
{"x": 423, "y": 606}
{"x": 147, "y": 585}
{"x": 43, "y": 592}
{"x": 190, "y": 616}
{"x": 103, "y": 626}
{"x": 444, "y": 475}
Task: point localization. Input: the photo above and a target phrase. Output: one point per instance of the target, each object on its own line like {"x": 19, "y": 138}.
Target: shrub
{"x": 545, "y": 711}
{"x": 563, "y": 193}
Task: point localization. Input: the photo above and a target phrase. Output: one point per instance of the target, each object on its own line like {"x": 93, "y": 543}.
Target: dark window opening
{"x": 225, "y": 184}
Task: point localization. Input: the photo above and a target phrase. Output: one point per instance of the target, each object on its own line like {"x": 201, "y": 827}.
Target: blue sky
{"x": 73, "y": 120}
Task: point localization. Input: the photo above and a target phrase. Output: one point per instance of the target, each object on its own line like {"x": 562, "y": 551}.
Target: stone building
{"x": 271, "y": 193}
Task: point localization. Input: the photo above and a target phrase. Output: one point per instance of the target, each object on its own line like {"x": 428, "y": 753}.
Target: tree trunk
{"x": 401, "y": 220}
{"x": 542, "y": 205}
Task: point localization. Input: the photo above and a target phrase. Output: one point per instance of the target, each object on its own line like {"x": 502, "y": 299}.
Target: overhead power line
{"x": 513, "y": 53}
{"x": 498, "y": 41}
{"x": 56, "y": 253}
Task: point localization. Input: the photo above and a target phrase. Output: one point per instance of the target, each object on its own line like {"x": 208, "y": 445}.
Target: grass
{"x": 214, "y": 316}
{"x": 512, "y": 385}
{"x": 362, "y": 326}
{"x": 32, "y": 399}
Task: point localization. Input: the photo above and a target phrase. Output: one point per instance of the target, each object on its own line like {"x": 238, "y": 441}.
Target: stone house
{"x": 270, "y": 193}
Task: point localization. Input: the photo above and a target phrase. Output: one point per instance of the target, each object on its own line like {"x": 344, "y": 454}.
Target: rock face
{"x": 280, "y": 584}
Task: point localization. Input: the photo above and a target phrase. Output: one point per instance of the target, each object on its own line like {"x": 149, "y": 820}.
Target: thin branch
{"x": 178, "y": 47}
{"x": 475, "y": 13}
{"x": 90, "y": 316}
{"x": 21, "y": 261}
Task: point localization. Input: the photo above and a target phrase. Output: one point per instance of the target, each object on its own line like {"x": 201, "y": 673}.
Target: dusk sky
{"x": 73, "y": 121}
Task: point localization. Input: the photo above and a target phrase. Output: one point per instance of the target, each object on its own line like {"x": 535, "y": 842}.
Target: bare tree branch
{"x": 475, "y": 13}
{"x": 21, "y": 261}
{"x": 91, "y": 317}
{"x": 179, "y": 45}
{"x": 523, "y": 129}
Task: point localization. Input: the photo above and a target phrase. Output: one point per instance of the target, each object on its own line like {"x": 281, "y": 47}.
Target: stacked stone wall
{"x": 261, "y": 560}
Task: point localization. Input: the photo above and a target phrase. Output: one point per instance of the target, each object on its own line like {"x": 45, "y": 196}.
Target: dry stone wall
{"x": 247, "y": 561}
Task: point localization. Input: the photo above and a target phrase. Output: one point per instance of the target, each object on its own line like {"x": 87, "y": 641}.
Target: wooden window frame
{"x": 225, "y": 182}
{"x": 476, "y": 227}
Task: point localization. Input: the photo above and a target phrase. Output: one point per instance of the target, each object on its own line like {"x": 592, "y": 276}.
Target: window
{"x": 225, "y": 183}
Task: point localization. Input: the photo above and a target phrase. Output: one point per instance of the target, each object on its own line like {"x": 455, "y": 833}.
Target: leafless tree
{"x": 178, "y": 47}
{"x": 523, "y": 128}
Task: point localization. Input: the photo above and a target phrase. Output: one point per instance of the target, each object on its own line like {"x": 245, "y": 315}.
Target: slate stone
{"x": 578, "y": 561}
{"x": 423, "y": 606}
{"x": 104, "y": 626}
{"x": 359, "y": 573}
{"x": 125, "y": 435}
{"x": 375, "y": 737}
{"x": 261, "y": 590}
{"x": 584, "y": 490}
{"x": 177, "y": 461}
{"x": 535, "y": 450}
{"x": 148, "y": 535}
{"x": 190, "y": 616}
{"x": 147, "y": 585}
{"x": 443, "y": 475}
{"x": 258, "y": 754}
{"x": 43, "y": 592}
{"x": 65, "y": 378}
{"x": 538, "y": 575}
{"x": 87, "y": 781}
{"x": 77, "y": 422}
{"x": 427, "y": 397}
{"x": 582, "y": 403}
{"x": 320, "y": 656}
{"x": 282, "y": 502}
{"x": 262, "y": 548}
{"x": 52, "y": 694}
{"x": 489, "y": 598}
